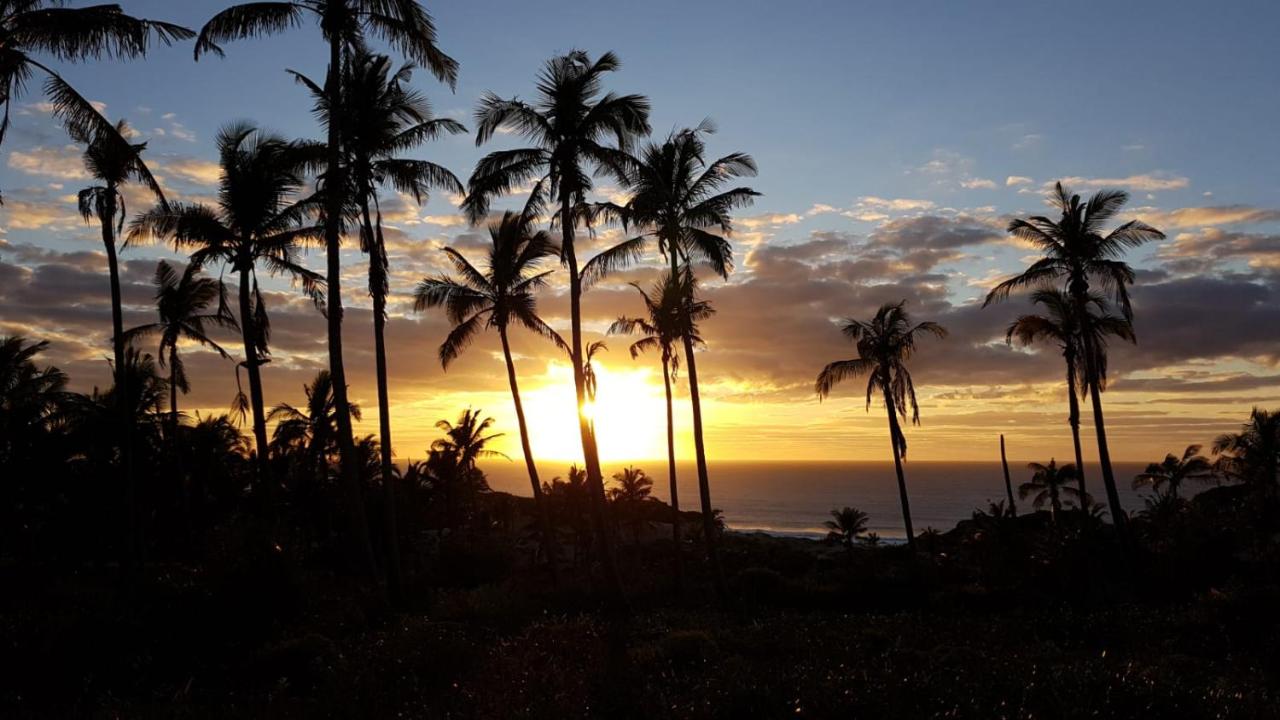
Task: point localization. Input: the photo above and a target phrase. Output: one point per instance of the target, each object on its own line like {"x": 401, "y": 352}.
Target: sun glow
{"x": 629, "y": 415}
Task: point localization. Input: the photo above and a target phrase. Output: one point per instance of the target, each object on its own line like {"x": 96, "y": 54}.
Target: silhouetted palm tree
{"x": 631, "y": 484}
{"x": 114, "y": 164}
{"x": 568, "y": 124}
{"x": 183, "y": 302}
{"x": 846, "y": 527}
{"x": 382, "y": 118}
{"x": 1077, "y": 253}
{"x": 464, "y": 443}
{"x": 343, "y": 25}
{"x": 668, "y": 321}
{"x": 502, "y": 294}
{"x": 1173, "y": 471}
{"x": 311, "y": 431}
{"x": 1062, "y": 325}
{"x": 1048, "y": 484}
{"x": 885, "y": 343}
{"x": 71, "y": 35}
{"x": 679, "y": 199}
{"x": 258, "y": 220}
{"x": 1252, "y": 456}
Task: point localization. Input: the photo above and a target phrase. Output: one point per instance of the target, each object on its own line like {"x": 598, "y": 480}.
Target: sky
{"x": 895, "y": 141}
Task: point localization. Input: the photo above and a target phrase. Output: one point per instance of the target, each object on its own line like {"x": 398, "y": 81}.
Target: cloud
{"x": 978, "y": 183}
{"x": 1016, "y": 180}
{"x": 1194, "y": 217}
{"x": 63, "y": 162}
{"x": 1198, "y": 252}
{"x": 190, "y": 169}
{"x": 895, "y": 204}
{"x": 754, "y": 222}
{"x": 1151, "y": 182}
{"x": 454, "y": 220}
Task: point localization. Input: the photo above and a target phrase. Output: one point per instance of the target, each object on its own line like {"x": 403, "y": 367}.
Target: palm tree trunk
{"x": 895, "y": 432}
{"x": 590, "y": 452}
{"x": 1073, "y": 403}
{"x": 709, "y": 526}
{"x": 253, "y": 365}
{"x": 376, "y": 287}
{"x": 1118, "y": 518}
{"x": 671, "y": 475}
{"x": 175, "y": 449}
{"x": 539, "y": 502}
{"x": 1008, "y": 483}
{"x": 129, "y": 556}
{"x": 335, "y": 188}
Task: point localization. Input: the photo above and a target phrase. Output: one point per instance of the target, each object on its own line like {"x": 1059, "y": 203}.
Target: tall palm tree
{"x": 680, "y": 200}
{"x": 500, "y": 295}
{"x": 569, "y": 125}
{"x": 1049, "y": 485}
{"x": 30, "y": 27}
{"x": 258, "y": 220}
{"x": 1061, "y": 325}
{"x": 343, "y": 24}
{"x": 114, "y": 163}
{"x": 183, "y": 302}
{"x": 1078, "y": 252}
{"x": 668, "y": 320}
{"x": 846, "y": 526}
{"x": 382, "y": 118}
{"x": 1252, "y": 456}
{"x": 1173, "y": 471}
{"x": 885, "y": 343}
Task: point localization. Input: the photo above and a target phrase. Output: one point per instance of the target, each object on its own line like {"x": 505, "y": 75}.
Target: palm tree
{"x": 1062, "y": 325}
{"x": 183, "y": 302}
{"x": 1078, "y": 253}
{"x": 464, "y": 443}
{"x": 568, "y": 125}
{"x": 632, "y": 485}
{"x": 71, "y": 35}
{"x": 885, "y": 343}
{"x": 383, "y": 117}
{"x": 114, "y": 164}
{"x": 680, "y": 200}
{"x": 258, "y": 220}
{"x": 343, "y": 24}
{"x": 1174, "y": 470}
{"x": 668, "y": 321}
{"x": 846, "y": 526}
{"x": 1049, "y": 485}
{"x": 1252, "y": 456}
{"x": 502, "y": 294}
{"x": 311, "y": 431}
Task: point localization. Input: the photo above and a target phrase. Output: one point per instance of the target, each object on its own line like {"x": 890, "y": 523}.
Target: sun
{"x": 629, "y": 413}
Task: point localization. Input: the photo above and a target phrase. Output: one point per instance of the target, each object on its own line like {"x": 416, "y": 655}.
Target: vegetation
{"x": 163, "y": 563}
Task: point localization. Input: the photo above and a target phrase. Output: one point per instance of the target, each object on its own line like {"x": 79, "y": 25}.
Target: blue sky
{"x": 879, "y": 127}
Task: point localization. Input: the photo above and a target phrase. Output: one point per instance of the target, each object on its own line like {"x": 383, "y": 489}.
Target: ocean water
{"x": 794, "y": 498}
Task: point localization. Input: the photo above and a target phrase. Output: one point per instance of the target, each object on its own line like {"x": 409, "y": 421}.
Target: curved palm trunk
{"x": 895, "y": 433}
{"x": 1104, "y": 460}
{"x": 1073, "y": 403}
{"x": 130, "y": 554}
{"x": 362, "y": 548}
{"x": 671, "y": 475}
{"x": 539, "y": 502}
{"x": 376, "y": 284}
{"x": 253, "y": 365}
{"x": 1008, "y": 482}
{"x": 590, "y": 452}
{"x": 700, "y": 452}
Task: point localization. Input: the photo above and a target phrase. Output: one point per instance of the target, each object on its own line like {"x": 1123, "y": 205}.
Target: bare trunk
{"x": 253, "y": 366}
{"x": 539, "y": 502}
{"x": 677, "y": 556}
{"x": 335, "y": 188}
{"x": 1118, "y": 518}
{"x": 1073, "y": 402}
{"x": 590, "y": 452}
{"x": 130, "y": 551}
{"x": 1008, "y": 482}
{"x": 895, "y": 432}
{"x": 175, "y": 450}
{"x": 384, "y": 404}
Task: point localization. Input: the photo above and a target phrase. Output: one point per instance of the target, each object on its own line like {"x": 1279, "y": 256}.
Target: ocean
{"x": 794, "y": 498}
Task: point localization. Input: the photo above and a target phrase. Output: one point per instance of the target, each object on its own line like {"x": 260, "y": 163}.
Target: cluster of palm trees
{"x": 268, "y": 209}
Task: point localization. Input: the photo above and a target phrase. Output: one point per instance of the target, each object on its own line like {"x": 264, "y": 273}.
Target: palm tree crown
{"x": 1049, "y": 484}
{"x": 1252, "y": 455}
{"x": 631, "y": 485}
{"x": 568, "y": 125}
{"x": 1076, "y": 248}
{"x": 668, "y": 318}
{"x": 846, "y": 525}
{"x": 1173, "y": 471}
{"x": 884, "y": 344}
